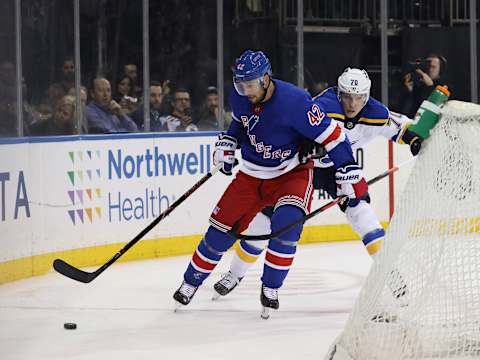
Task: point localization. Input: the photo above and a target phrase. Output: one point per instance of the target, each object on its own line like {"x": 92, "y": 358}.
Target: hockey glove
{"x": 310, "y": 149}
{"x": 351, "y": 182}
{"x": 225, "y": 153}
{"x": 414, "y": 140}
{"x": 415, "y": 145}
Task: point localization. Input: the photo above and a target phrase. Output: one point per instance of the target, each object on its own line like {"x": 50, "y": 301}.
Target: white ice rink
{"x": 127, "y": 312}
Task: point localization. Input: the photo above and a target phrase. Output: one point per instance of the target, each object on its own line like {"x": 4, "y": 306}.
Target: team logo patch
{"x": 257, "y": 109}
{"x": 349, "y": 125}
{"x": 315, "y": 115}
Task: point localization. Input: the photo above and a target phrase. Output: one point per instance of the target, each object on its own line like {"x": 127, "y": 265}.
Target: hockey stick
{"x": 76, "y": 274}
{"x": 315, "y": 212}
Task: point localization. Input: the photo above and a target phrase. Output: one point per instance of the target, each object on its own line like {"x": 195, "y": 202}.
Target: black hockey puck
{"x": 70, "y": 326}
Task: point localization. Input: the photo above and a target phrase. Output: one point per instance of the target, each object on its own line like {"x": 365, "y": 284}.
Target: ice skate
{"x": 269, "y": 300}
{"x": 184, "y": 295}
{"x": 225, "y": 285}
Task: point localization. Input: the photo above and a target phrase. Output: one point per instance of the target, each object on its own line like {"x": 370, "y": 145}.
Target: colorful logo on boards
{"x": 85, "y": 195}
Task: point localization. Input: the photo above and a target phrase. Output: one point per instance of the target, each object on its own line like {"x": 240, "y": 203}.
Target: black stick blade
{"x": 72, "y": 272}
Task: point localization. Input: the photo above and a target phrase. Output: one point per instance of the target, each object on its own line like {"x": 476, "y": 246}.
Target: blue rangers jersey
{"x": 373, "y": 120}
{"x": 270, "y": 134}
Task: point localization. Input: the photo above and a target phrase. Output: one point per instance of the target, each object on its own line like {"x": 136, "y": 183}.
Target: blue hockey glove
{"x": 225, "y": 153}
{"x": 351, "y": 182}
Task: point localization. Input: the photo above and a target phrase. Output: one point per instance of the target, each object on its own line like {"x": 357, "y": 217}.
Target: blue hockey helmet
{"x": 251, "y": 65}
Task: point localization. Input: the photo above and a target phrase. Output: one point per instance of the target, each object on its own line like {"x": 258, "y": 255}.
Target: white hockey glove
{"x": 225, "y": 153}
{"x": 351, "y": 182}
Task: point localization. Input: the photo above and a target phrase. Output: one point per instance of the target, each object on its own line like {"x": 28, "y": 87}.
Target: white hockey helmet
{"x": 354, "y": 81}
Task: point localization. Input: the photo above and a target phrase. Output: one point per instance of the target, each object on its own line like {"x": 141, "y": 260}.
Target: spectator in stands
{"x": 209, "y": 113}
{"x": 8, "y": 113}
{"x": 166, "y": 106}
{"x": 131, "y": 71}
{"x": 105, "y": 115}
{"x": 156, "y": 101}
{"x": 181, "y": 117}
{"x": 62, "y": 122}
{"x": 83, "y": 95}
{"x": 83, "y": 104}
{"x": 8, "y": 102}
{"x": 58, "y": 90}
{"x": 124, "y": 95}
{"x": 419, "y": 84}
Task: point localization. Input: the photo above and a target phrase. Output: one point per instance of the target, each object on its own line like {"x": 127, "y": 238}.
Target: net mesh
{"x": 421, "y": 299}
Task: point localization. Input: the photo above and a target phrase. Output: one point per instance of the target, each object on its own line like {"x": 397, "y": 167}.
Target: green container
{"x": 427, "y": 115}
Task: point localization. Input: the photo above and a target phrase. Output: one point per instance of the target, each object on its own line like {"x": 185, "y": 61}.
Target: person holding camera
{"x": 424, "y": 76}
{"x": 181, "y": 117}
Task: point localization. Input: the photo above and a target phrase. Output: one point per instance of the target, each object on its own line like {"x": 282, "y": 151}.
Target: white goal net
{"x": 421, "y": 299}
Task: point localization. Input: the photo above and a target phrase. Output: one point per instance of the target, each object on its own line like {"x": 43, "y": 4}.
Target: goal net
{"x": 421, "y": 299}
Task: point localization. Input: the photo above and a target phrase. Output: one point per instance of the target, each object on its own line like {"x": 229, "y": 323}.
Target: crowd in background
{"x": 108, "y": 105}
{"x": 116, "y": 104}
{"x": 183, "y": 56}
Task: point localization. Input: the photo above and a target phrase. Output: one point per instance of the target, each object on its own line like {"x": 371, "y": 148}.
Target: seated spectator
{"x": 123, "y": 94}
{"x": 105, "y": 115}
{"x": 166, "y": 106}
{"x": 8, "y": 113}
{"x": 58, "y": 90}
{"x": 83, "y": 95}
{"x": 130, "y": 70}
{"x": 180, "y": 119}
{"x": 156, "y": 100}
{"x": 208, "y": 116}
{"x": 83, "y": 104}
{"x": 8, "y": 103}
{"x": 61, "y": 123}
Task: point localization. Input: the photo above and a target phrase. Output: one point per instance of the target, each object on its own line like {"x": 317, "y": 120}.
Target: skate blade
{"x": 265, "y": 314}
{"x": 215, "y": 296}
{"x": 177, "y": 306}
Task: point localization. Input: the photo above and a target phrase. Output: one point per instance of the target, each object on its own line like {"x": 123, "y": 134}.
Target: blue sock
{"x": 207, "y": 255}
{"x": 281, "y": 250}
{"x": 251, "y": 250}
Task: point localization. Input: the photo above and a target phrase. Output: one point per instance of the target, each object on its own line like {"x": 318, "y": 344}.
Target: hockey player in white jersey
{"x": 362, "y": 118}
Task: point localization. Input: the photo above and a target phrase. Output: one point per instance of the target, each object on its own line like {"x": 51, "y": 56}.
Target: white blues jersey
{"x": 270, "y": 134}
{"x": 373, "y": 120}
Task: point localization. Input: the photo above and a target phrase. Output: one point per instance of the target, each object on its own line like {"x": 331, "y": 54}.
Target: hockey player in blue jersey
{"x": 362, "y": 118}
{"x": 271, "y": 119}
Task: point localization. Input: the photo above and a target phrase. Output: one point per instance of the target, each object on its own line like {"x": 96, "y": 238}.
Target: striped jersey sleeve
{"x": 328, "y": 133}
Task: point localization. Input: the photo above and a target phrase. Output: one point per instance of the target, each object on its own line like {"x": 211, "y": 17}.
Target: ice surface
{"x": 127, "y": 312}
